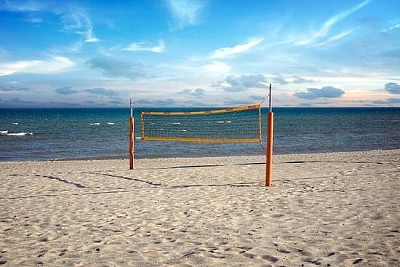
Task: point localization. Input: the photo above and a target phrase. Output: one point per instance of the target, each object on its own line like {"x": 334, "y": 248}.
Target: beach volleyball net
{"x": 229, "y": 125}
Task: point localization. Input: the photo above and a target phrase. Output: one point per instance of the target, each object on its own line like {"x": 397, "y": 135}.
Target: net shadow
{"x": 214, "y": 185}
{"x": 191, "y": 166}
{"x": 78, "y": 185}
{"x": 127, "y": 178}
{"x": 207, "y": 166}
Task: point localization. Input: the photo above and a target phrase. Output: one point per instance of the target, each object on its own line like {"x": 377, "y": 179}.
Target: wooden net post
{"x": 270, "y": 138}
{"x": 131, "y": 138}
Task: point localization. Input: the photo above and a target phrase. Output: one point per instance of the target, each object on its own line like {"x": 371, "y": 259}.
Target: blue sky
{"x": 199, "y": 53}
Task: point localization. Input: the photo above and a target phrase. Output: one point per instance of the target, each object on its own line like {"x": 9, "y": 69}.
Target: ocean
{"x": 98, "y": 133}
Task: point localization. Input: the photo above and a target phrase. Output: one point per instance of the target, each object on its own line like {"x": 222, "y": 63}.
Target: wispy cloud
{"x": 23, "y": 5}
{"x": 326, "y": 27}
{"x": 334, "y": 39}
{"x": 79, "y": 22}
{"x": 397, "y": 26}
{"x": 145, "y": 46}
{"x": 74, "y": 19}
{"x": 229, "y": 52}
{"x": 393, "y": 27}
{"x": 185, "y": 12}
{"x": 52, "y": 65}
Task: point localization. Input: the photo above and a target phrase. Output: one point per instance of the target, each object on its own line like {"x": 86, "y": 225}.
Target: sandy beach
{"x": 334, "y": 209}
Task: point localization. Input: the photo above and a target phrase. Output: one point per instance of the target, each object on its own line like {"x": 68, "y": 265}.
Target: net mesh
{"x": 234, "y": 125}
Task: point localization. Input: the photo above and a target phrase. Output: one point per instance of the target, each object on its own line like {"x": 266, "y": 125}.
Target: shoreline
{"x": 327, "y": 209}
{"x": 192, "y": 157}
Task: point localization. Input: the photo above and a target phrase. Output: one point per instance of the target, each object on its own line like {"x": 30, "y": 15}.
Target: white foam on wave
{"x": 19, "y": 134}
{"x": 6, "y": 133}
{"x": 110, "y": 123}
{"x": 14, "y": 123}
{"x": 176, "y": 123}
{"x": 95, "y": 123}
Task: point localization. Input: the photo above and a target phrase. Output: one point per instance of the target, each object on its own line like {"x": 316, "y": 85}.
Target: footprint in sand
{"x": 270, "y": 258}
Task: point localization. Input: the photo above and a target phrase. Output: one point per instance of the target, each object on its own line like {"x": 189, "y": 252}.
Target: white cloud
{"x": 229, "y": 52}
{"x": 185, "y": 12}
{"x": 52, "y": 65}
{"x": 216, "y": 68}
{"x": 145, "y": 46}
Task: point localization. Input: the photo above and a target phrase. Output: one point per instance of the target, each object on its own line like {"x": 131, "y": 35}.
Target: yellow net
{"x": 229, "y": 125}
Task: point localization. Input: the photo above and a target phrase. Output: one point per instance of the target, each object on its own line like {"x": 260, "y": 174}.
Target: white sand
{"x": 339, "y": 209}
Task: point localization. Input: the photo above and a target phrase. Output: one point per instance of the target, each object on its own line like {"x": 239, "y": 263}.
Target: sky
{"x": 199, "y": 53}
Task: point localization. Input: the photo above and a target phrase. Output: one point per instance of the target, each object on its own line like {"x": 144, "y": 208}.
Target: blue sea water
{"x": 43, "y": 134}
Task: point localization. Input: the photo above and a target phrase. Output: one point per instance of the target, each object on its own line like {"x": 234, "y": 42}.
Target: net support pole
{"x": 131, "y": 138}
{"x": 270, "y": 138}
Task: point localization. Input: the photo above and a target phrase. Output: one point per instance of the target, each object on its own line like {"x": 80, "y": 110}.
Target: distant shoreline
{"x": 196, "y": 157}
